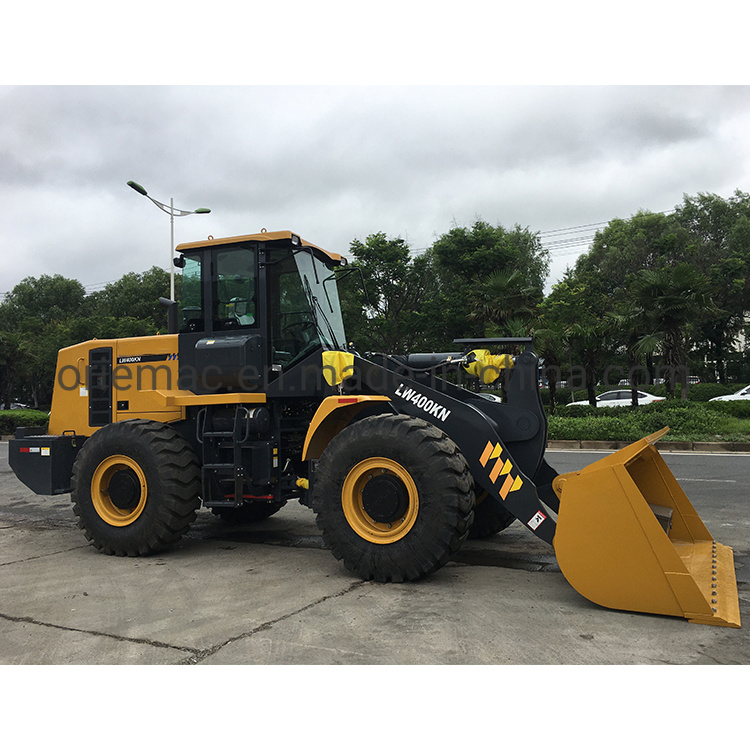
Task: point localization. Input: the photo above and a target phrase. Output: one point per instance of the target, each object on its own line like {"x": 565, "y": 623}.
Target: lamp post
{"x": 172, "y": 211}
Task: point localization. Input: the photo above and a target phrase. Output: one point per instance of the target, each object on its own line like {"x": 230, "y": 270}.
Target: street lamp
{"x": 172, "y": 211}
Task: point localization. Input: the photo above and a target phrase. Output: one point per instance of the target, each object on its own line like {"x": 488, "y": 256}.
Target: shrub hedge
{"x": 707, "y": 391}
{"x": 687, "y": 420}
{"x": 591, "y": 428}
{"x": 12, "y": 418}
{"x": 682, "y": 417}
{"x": 739, "y": 409}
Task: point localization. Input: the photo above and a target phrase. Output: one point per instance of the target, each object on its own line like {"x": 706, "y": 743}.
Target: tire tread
{"x": 446, "y": 497}
{"x": 174, "y": 470}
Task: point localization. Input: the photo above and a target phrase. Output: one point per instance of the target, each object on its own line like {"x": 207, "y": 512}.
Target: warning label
{"x": 536, "y": 521}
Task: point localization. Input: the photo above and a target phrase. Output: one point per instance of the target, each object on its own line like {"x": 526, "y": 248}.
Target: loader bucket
{"x": 628, "y": 538}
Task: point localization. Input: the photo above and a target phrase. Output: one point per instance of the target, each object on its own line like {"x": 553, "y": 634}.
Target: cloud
{"x": 335, "y": 163}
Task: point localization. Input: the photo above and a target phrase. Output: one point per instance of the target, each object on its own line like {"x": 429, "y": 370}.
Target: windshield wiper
{"x": 316, "y": 306}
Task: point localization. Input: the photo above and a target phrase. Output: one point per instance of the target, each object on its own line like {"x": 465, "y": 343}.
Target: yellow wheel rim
{"x": 360, "y": 494}
{"x": 128, "y": 492}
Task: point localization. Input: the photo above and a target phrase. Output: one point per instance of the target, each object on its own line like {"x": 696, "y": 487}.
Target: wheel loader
{"x": 254, "y": 398}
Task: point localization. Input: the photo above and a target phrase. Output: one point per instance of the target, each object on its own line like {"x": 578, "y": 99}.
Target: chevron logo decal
{"x": 501, "y": 468}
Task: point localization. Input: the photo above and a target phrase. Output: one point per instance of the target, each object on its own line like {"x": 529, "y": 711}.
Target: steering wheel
{"x": 298, "y": 330}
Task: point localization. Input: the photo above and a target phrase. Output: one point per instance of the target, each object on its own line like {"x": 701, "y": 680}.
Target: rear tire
{"x": 393, "y": 497}
{"x": 135, "y": 487}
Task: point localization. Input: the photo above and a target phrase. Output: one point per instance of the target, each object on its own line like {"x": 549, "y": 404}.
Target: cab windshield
{"x": 305, "y": 312}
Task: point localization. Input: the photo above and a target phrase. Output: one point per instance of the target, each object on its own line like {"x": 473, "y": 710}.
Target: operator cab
{"x": 253, "y": 307}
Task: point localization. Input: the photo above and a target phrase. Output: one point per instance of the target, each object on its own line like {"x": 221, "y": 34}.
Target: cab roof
{"x": 262, "y": 236}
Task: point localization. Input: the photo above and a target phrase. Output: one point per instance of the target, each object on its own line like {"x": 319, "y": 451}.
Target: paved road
{"x": 271, "y": 594}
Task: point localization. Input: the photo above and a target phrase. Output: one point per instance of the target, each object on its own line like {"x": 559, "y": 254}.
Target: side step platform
{"x": 236, "y": 461}
{"x": 222, "y": 455}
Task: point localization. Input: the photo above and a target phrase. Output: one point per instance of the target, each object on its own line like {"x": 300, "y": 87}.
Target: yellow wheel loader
{"x": 254, "y": 398}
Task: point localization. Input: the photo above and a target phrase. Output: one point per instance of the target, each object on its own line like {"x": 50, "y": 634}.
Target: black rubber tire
{"x": 163, "y": 505}
{"x": 488, "y": 518}
{"x": 432, "y": 529}
{"x": 249, "y": 512}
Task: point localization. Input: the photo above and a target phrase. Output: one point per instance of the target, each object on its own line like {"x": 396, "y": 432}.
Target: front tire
{"x": 393, "y": 497}
{"x": 135, "y": 487}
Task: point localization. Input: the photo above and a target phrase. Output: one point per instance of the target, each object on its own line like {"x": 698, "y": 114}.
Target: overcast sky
{"x": 338, "y": 163}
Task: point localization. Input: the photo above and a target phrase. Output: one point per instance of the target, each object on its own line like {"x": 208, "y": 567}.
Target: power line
{"x": 579, "y": 228}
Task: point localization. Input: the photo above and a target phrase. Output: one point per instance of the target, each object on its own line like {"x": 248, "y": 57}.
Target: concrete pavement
{"x": 270, "y": 594}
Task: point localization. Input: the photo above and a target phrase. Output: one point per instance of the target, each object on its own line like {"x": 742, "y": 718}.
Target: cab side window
{"x": 191, "y": 296}
{"x": 234, "y": 294}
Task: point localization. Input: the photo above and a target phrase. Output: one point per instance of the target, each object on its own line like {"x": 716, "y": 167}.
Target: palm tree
{"x": 628, "y": 323}
{"x": 671, "y": 299}
{"x": 549, "y": 344}
{"x": 505, "y": 300}
{"x": 588, "y": 340}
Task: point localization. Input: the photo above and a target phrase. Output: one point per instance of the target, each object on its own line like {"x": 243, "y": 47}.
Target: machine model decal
{"x": 423, "y": 402}
{"x": 140, "y": 358}
{"x": 501, "y": 468}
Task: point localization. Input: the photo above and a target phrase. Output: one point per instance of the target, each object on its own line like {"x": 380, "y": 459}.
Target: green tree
{"x": 551, "y": 348}
{"x": 628, "y": 324}
{"x": 670, "y": 299}
{"x": 469, "y": 261}
{"x": 575, "y": 311}
{"x": 135, "y": 296}
{"x": 42, "y": 315}
{"x": 391, "y": 311}
{"x": 33, "y": 311}
{"x": 588, "y": 341}
{"x": 626, "y": 246}
{"x": 14, "y": 364}
{"x": 720, "y": 232}
{"x": 42, "y": 300}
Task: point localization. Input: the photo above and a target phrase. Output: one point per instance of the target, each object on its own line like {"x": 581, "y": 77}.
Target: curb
{"x": 664, "y": 446}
